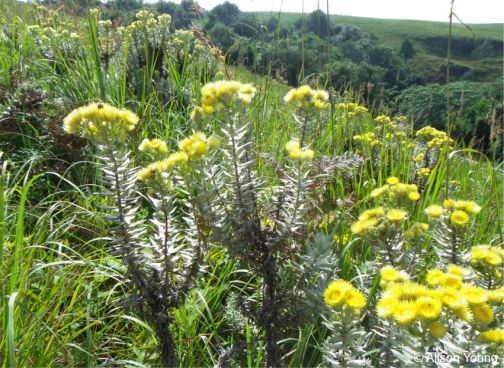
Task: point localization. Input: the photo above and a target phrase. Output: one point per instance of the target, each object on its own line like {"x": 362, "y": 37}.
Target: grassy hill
{"x": 476, "y": 52}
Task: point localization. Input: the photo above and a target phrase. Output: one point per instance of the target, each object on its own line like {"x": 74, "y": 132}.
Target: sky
{"x": 469, "y": 11}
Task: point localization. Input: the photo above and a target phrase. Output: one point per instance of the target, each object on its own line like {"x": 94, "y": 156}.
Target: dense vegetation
{"x": 154, "y": 210}
{"x": 390, "y": 63}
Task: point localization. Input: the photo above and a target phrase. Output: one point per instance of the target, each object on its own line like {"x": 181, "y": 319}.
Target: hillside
{"x": 478, "y": 58}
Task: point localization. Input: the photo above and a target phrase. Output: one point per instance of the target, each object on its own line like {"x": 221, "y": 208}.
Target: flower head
{"x": 459, "y": 218}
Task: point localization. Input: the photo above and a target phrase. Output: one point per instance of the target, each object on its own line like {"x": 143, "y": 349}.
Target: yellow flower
{"x": 493, "y": 259}
{"x": 434, "y": 211}
{"x": 307, "y": 155}
{"x": 453, "y": 299}
{"x": 464, "y": 313}
{"x": 451, "y": 280}
{"x": 213, "y": 142}
{"x": 392, "y": 180}
{"x": 483, "y": 313}
{"x": 360, "y": 227}
{"x": 292, "y": 145}
{"x": 336, "y": 292}
{"x": 386, "y": 307}
{"x": 448, "y": 204}
{"x": 437, "y": 330}
{"x": 396, "y": 215}
{"x": 428, "y": 308}
{"x": 478, "y": 253}
{"x": 435, "y": 277}
{"x": 372, "y": 213}
{"x": 156, "y": 146}
{"x": 469, "y": 207}
{"x": 459, "y": 218}
{"x": 456, "y": 270}
{"x": 495, "y": 336}
{"x": 496, "y": 296}
{"x": 414, "y": 196}
{"x": 389, "y": 273}
{"x": 355, "y": 299}
{"x": 405, "y": 312}
{"x": 379, "y": 191}
{"x": 474, "y": 294}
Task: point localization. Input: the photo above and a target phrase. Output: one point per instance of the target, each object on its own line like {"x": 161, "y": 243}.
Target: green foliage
{"x": 407, "y": 49}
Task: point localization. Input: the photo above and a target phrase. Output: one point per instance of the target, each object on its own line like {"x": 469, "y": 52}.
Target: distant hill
{"x": 476, "y": 58}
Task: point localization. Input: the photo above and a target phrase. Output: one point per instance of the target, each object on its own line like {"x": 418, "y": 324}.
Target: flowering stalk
{"x": 160, "y": 277}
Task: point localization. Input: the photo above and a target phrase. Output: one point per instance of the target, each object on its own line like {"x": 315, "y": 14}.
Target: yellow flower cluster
{"x": 495, "y": 336}
{"x": 198, "y": 145}
{"x": 367, "y": 139}
{"x": 97, "y": 118}
{"x": 435, "y": 138}
{"x": 424, "y": 171}
{"x": 417, "y": 230}
{"x": 295, "y": 151}
{"x": 487, "y": 256}
{"x": 459, "y": 212}
{"x": 373, "y": 219}
{"x": 217, "y": 95}
{"x": 385, "y": 122}
{"x": 389, "y": 274}
{"x": 155, "y": 146}
{"x": 351, "y": 109}
{"x": 341, "y": 294}
{"x": 305, "y": 96}
{"x": 397, "y": 190}
{"x": 157, "y": 171}
{"x": 406, "y": 301}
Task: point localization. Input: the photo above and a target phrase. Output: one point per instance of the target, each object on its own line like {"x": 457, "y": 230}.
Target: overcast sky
{"x": 469, "y": 11}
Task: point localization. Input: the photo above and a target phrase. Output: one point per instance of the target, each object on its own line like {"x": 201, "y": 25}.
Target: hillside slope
{"x": 476, "y": 49}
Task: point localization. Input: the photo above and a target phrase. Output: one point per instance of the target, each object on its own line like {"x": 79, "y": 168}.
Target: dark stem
{"x": 270, "y": 312}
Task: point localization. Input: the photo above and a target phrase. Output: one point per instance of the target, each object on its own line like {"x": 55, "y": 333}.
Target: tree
{"x": 317, "y": 23}
{"x": 226, "y": 13}
{"x": 407, "y": 49}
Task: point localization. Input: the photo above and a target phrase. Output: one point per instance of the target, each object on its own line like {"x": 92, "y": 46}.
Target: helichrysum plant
{"x": 347, "y": 344}
{"x": 162, "y": 256}
{"x": 451, "y": 223}
{"x": 256, "y": 226}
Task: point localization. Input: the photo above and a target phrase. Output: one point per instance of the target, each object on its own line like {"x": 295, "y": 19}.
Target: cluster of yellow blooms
{"x": 487, "y": 256}
{"x": 99, "y": 118}
{"x": 378, "y": 219}
{"x": 367, "y": 138}
{"x": 154, "y": 146}
{"x": 406, "y": 301}
{"x": 434, "y": 137}
{"x": 341, "y": 294}
{"x": 417, "y": 230}
{"x": 191, "y": 148}
{"x": 351, "y": 109}
{"x": 384, "y": 122}
{"x": 157, "y": 171}
{"x": 295, "y": 151}
{"x": 397, "y": 190}
{"x": 197, "y": 145}
{"x": 459, "y": 212}
{"x": 224, "y": 93}
{"x": 424, "y": 171}
{"x": 305, "y": 96}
